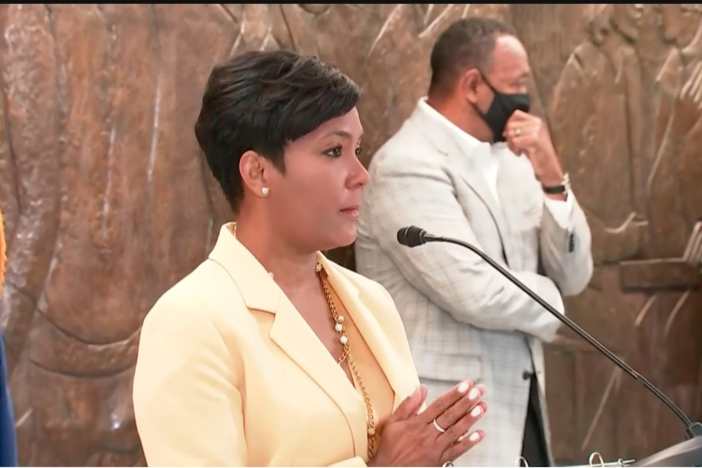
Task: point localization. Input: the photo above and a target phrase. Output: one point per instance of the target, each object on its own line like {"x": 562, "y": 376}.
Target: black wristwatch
{"x": 563, "y": 187}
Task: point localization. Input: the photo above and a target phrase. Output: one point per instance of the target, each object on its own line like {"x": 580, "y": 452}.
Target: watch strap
{"x": 563, "y": 187}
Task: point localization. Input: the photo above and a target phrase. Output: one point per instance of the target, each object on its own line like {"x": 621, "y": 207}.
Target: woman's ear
{"x": 254, "y": 173}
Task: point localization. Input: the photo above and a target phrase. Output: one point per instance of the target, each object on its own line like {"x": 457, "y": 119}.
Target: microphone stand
{"x": 686, "y": 453}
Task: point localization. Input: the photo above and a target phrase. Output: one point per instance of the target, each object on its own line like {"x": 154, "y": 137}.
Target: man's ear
{"x": 468, "y": 84}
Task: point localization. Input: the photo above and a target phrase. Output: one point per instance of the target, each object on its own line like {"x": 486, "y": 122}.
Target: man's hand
{"x": 528, "y": 135}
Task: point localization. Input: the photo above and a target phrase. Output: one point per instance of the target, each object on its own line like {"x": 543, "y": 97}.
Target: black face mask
{"x": 501, "y": 109}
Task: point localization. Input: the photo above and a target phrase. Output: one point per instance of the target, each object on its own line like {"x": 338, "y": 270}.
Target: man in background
{"x": 471, "y": 163}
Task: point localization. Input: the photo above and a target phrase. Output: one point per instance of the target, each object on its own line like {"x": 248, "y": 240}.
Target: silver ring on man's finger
{"x": 438, "y": 428}
{"x": 448, "y": 463}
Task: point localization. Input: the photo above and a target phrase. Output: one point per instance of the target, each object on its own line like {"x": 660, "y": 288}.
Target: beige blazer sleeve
{"x": 188, "y": 407}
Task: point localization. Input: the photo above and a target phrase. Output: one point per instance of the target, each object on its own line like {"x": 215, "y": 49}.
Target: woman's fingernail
{"x": 477, "y": 411}
{"x": 474, "y": 437}
{"x": 463, "y": 387}
{"x": 473, "y": 394}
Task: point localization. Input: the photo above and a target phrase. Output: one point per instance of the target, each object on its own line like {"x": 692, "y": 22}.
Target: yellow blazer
{"x": 230, "y": 374}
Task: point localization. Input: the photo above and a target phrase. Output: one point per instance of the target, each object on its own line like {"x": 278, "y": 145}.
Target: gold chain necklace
{"x": 346, "y": 354}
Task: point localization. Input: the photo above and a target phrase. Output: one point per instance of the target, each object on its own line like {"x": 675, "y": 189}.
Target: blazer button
{"x": 527, "y": 375}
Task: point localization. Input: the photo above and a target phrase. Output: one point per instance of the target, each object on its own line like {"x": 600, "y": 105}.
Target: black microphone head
{"x": 411, "y": 236}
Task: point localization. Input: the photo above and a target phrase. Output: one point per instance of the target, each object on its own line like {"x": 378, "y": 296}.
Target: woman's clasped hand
{"x": 435, "y": 436}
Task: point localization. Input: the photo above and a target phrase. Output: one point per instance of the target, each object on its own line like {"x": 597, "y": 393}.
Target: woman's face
{"x": 316, "y": 201}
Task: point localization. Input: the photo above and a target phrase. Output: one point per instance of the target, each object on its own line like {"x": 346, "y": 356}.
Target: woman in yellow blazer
{"x": 268, "y": 354}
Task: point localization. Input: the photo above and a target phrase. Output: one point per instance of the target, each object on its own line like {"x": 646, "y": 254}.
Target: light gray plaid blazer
{"x": 463, "y": 319}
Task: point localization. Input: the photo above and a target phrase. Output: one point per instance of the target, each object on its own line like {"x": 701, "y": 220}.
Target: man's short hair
{"x": 261, "y": 101}
{"x": 465, "y": 44}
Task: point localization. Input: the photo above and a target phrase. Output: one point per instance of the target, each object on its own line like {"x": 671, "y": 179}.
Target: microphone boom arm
{"x": 693, "y": 429}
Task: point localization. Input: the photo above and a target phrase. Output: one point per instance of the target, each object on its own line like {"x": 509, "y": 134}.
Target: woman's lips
{"x": 351, "y": 212}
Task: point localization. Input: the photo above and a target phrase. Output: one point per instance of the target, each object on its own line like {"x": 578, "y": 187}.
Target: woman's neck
{"x": 290, "y": 267}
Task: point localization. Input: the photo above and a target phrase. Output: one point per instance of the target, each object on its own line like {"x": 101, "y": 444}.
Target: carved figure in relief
{"x": 96, "y": 138}
{"x": 677, "y": 113}
{"x": 596, "y": 117}
{"x": 678, "y": 26}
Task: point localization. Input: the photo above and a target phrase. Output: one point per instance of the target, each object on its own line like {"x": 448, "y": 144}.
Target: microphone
{"x": 686, "y": 453}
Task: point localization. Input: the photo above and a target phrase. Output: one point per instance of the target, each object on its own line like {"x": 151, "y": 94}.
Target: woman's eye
{"x": 334, "y": 152}
{"x": 359, "y": 151}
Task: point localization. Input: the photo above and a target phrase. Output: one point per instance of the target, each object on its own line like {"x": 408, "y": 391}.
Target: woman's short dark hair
{"x": 261, "y": 101}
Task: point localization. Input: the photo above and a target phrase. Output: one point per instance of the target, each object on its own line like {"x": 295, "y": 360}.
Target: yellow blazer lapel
{"x": 395, "y": 370}
{"x": 294, "y": 336}
{"x": 289, "y": 330}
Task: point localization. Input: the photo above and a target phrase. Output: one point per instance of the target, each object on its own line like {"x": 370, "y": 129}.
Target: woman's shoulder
{"x": 375, "y": 297}
{"x": 379, "y": 302}
{"x": 363, "y": 284}
{"x": 200, "y": 298}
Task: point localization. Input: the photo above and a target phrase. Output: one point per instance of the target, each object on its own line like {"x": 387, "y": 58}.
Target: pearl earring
{"x": 265, "y": 191}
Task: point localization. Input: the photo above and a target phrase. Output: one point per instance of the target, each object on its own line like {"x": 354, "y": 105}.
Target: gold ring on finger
{"x": 438, "y": 428}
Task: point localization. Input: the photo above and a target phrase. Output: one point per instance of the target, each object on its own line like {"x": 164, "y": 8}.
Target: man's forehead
{"x": 509, "y": 55}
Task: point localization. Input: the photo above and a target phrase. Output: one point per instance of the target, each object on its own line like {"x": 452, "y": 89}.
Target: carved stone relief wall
{"x": 108, "y": 202}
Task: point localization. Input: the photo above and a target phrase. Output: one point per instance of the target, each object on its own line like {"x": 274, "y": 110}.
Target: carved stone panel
{"x": 108, "y": 202}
